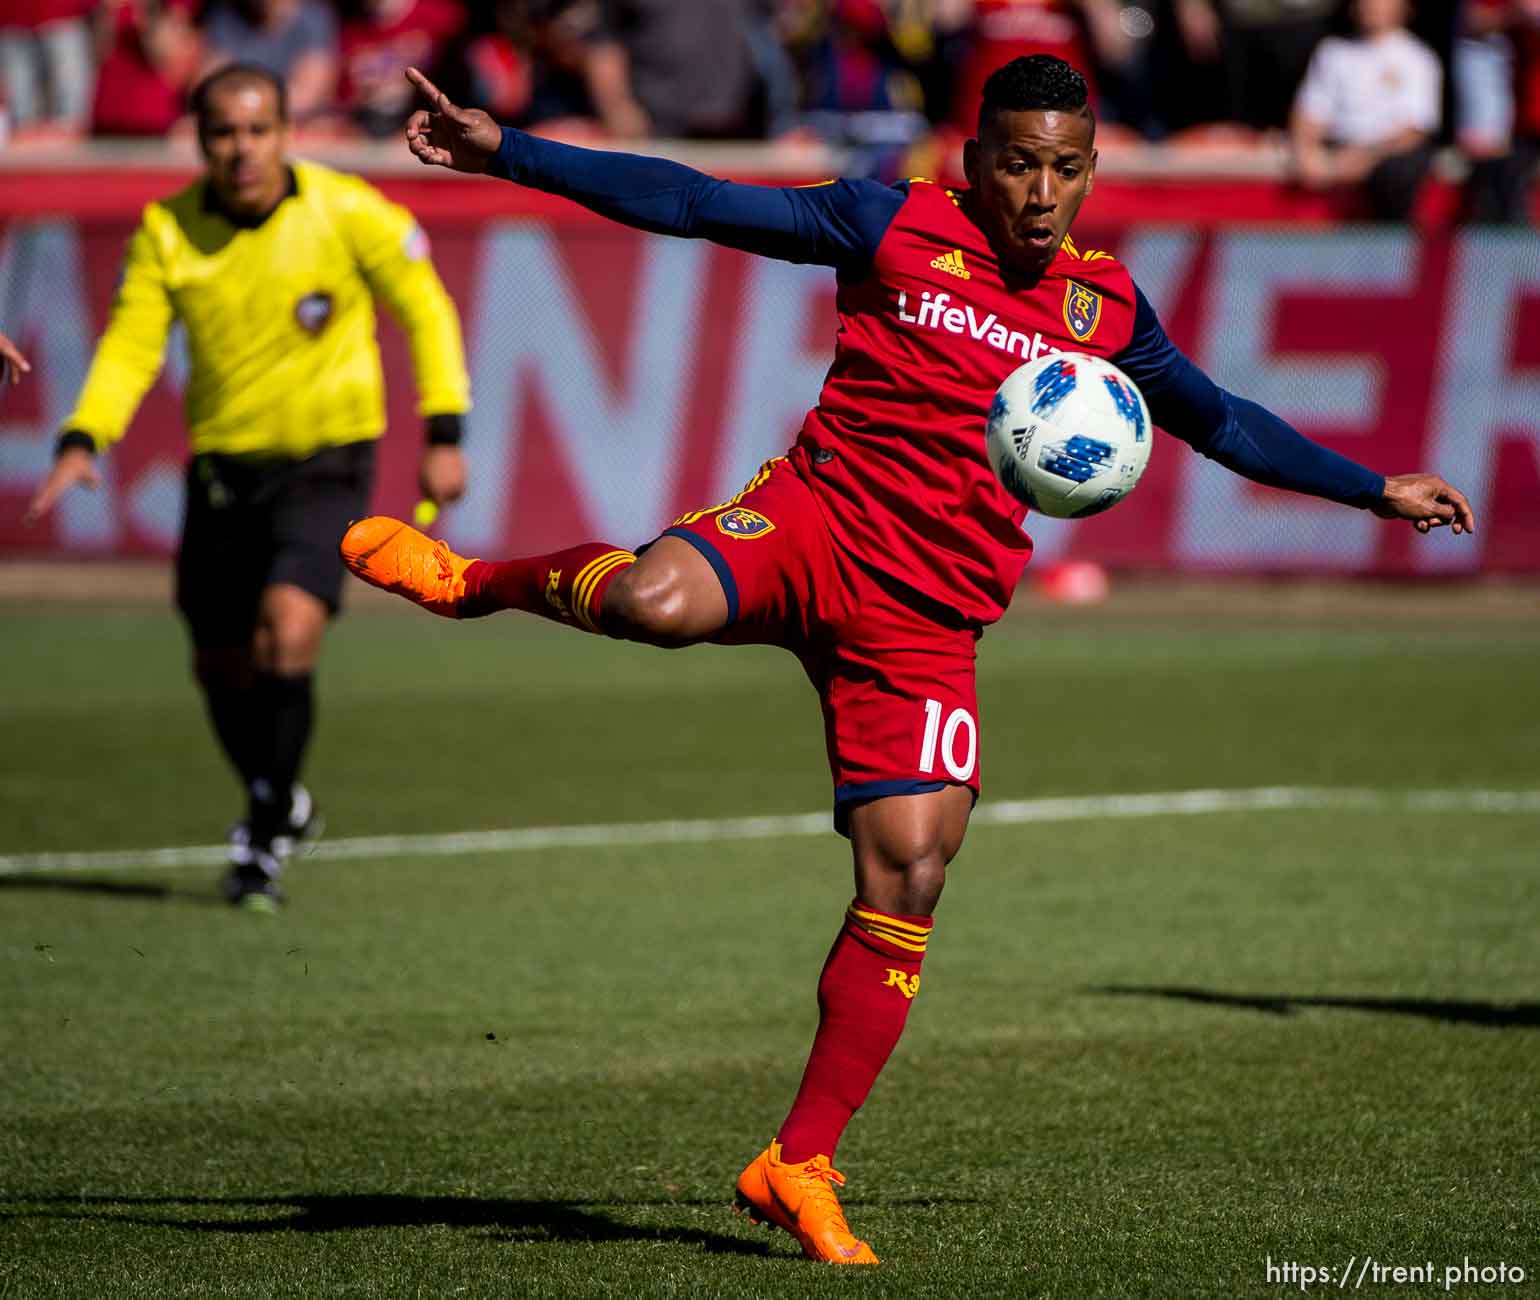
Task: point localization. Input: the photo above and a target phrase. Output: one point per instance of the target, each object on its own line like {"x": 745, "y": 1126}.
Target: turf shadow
{"x": 109, "y": 889}
{"x": 1497, "y": 1015}
{"x": 505, "y": 1220}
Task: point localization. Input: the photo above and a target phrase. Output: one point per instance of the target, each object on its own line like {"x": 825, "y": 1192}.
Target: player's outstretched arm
{"x": 1253, "y": 442}
{"x": 837, "y": 224}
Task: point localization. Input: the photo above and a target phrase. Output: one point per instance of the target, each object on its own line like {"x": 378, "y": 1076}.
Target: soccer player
{"x": 881, "y": 545}
{"x": 272, "y": 267}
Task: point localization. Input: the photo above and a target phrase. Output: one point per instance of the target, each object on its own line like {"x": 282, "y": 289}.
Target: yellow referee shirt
{"x": 279, "y": 320}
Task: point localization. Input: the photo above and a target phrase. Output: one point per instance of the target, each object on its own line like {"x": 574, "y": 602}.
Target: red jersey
{"x": 894, "y": 450}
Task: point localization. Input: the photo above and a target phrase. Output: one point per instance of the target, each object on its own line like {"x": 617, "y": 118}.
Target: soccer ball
{"x": 1068, "y": 435}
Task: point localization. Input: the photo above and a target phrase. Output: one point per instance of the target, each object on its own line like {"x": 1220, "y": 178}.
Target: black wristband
{"x": 445, "y": 430}
{"x": 73, "y": 438}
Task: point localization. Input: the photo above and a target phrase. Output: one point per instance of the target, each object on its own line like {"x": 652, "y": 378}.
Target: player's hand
{"x": 12, "y": 364}
{"x": 1427, "y": 501}
{"x": 74, "y": 465}
{"x": 441, "y": 474}
{"x": 463, "y": 139}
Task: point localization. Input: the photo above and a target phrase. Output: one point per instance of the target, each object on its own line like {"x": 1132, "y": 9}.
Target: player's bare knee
{"x": 286, "y": 646}
{"x": 913, "y": 889}
{"x": 923, "y": 883}
{"x": 290, "y": 625}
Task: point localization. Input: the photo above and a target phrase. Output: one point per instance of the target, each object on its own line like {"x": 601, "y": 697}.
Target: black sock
{"x": 233, "y": 715}
{"x": 286, "y": 707}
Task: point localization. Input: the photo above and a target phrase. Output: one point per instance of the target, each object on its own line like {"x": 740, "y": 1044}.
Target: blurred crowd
{"x": 1364, "y": 91}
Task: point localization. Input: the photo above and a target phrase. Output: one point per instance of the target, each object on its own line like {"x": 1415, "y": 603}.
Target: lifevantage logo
{"x": 934, "y": 313}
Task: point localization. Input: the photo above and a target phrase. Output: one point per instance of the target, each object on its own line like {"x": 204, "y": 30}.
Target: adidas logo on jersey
{"x": 952, "y": 264}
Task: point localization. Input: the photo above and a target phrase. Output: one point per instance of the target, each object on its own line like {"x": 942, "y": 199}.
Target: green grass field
{"x": 1151, "y": 1054}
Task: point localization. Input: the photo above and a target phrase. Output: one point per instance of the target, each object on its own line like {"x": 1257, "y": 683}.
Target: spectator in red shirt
{"x": 531, "y": 67}
{"x": 150, "y": 53}
{"x": 379, "y": 45}
{"x": 1084, "y": 33}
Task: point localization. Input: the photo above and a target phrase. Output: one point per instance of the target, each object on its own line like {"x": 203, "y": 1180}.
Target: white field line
{"x": 1008, "y": 812}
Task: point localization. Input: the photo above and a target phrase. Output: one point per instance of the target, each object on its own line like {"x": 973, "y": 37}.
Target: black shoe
{"x": 254, "y": 884}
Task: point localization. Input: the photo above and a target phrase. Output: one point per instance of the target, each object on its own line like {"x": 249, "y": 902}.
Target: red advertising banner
{"x": 621, "y": 379}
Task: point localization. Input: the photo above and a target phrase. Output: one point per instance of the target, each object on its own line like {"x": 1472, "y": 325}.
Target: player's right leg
{"x": 669, "y": 596}
{"x": 901, "y": 846}
{"x": 219, "y": 575}
{"x": 898, "y": 691}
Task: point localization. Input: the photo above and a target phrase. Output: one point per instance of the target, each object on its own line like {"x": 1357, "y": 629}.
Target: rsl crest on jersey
{"x": 1082, "y": 310}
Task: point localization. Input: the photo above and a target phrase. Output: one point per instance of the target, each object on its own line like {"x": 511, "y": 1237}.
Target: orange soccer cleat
{"x": 800, "y": 1199}
{"x": 394, "y": 556}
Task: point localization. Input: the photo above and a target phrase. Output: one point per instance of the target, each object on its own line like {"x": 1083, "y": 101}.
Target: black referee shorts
{"x": 253, "y": 521}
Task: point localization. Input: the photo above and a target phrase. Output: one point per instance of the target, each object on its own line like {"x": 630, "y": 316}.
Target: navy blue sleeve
{"x": 1240, "y": 435}
{"x": 836, "y": 224}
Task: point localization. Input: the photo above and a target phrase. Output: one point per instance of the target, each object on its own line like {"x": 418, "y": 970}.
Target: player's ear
{"x": 1090, "y": 177}
{"x": 971, "y": 163}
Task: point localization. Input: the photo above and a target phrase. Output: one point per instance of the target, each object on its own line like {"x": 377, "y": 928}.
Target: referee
{"x": 272, "y": 267}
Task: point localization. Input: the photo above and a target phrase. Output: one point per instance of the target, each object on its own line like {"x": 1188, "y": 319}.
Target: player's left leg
{"x": 680, "y": 590}
{"x": 670, "y": 596}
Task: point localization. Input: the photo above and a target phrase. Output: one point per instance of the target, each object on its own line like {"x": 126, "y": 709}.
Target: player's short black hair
{"x": 1035, "y": 82}
{"x": 235, "y": 73}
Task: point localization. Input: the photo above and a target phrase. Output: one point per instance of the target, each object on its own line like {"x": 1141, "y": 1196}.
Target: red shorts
{"x": 894, "y": 671}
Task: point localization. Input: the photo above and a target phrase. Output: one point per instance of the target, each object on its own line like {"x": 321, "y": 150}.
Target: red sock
{"x": 566, "y": 586}
{"x": 868, "y": 982}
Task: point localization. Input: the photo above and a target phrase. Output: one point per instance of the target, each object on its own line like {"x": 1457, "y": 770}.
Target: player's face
{"x": 244, "y": 141}
{"x": 1030, "y": 172}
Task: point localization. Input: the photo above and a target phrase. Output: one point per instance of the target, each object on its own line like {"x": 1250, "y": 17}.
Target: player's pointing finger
{"x": 438, "y": 97}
